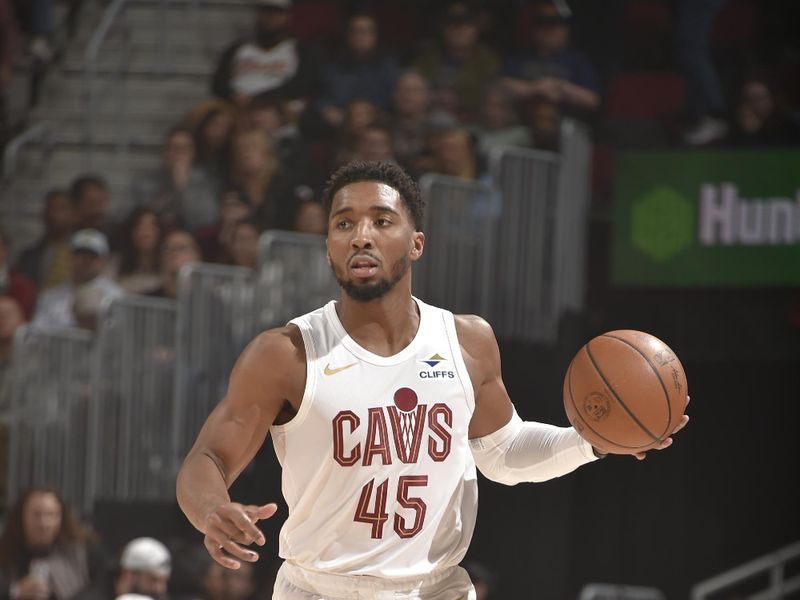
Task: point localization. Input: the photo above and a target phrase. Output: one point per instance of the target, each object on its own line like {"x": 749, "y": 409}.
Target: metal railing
{"x": 49, "y": 411}
{"x": 540, "y": 256}
{"x": 606, "y": 591}
{"x": 460, "y": 224}
{"x": 293, "y": 276}
{"x": 524, "y": 304}
{"x": 130, "y": 418}
{"x": 215, "y": 321}
{"x": 91, "y": 91}
{"x": 771, "y": 567}
{"x": 40, "y": 132}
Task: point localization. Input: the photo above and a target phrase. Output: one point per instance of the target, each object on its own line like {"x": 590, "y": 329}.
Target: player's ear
{"x": 418, "y": 245}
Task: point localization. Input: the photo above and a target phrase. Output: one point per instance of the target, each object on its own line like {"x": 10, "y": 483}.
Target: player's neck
{"x": 384, "y": 326}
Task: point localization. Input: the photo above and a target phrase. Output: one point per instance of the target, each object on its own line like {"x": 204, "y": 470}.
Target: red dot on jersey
{"x": 405, "y": 399}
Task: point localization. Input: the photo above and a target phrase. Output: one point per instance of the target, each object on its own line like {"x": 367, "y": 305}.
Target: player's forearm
{"x": 200, "y": 488}
{"x": 532, "y": 452}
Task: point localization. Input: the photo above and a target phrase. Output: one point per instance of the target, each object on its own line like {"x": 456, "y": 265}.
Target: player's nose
{"x": 362, "y": 235}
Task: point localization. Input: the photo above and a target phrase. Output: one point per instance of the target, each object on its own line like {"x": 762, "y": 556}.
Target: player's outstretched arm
{"x": 269, "y": 374}
{"x": 505, "y": 448}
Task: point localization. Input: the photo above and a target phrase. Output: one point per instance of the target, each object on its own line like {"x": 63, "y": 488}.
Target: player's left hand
{"x": 668, "y": 441}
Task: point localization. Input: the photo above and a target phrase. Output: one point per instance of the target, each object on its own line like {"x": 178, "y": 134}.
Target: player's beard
{"x": 366, "y": 292}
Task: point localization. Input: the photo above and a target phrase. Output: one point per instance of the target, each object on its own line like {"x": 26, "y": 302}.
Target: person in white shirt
{"x": 380, "y": 407}
{"x": 270, "y": 64}
{"x": 55, "y": 307}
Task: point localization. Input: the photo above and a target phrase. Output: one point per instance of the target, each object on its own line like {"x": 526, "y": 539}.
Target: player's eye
{"x": 381, "y": 222}
{"x": 343, "y": 224}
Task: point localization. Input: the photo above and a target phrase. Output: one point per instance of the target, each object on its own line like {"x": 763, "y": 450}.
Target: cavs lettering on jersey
{"x": 377, "y": 469}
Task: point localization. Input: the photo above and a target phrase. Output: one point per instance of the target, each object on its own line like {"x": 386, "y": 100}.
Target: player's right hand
{"x": 231, "y": 527}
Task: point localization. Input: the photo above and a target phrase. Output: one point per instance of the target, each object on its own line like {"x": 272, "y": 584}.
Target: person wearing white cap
{"x": 144, "y": 570}
{"x": 89, "y": 254}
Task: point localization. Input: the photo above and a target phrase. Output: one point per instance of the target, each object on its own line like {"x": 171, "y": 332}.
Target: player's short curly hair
{"x": 381, "y": 172}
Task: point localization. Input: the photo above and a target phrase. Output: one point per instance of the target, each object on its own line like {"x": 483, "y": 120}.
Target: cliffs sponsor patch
{"x": 438, "y": 368}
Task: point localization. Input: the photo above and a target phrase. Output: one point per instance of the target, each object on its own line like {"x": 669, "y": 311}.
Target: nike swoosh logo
{"x": 329, "y": 371}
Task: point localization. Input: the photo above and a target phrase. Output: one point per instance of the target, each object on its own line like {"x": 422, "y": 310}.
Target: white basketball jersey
{"x": 377, "y": 469}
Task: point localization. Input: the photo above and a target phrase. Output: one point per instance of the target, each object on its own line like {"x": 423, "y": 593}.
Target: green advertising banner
{"x": 707, "y": 218}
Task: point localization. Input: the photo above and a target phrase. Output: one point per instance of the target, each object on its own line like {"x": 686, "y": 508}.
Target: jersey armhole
{"x": 458, "y": 359}
{"x": 311, "y": 380}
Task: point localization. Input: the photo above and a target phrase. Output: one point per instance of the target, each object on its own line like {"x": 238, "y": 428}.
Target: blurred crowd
{"x": 435, "y": 95}
{"x": 46, "y": 553}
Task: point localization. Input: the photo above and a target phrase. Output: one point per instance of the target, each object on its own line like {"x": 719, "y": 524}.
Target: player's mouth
{"x": 363, "y": 266}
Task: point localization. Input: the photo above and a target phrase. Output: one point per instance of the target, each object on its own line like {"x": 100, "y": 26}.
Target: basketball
{"x": 625, "y": 391}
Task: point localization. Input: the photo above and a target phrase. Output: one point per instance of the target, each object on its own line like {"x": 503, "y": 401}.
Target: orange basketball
{"x": 625, "y": 391}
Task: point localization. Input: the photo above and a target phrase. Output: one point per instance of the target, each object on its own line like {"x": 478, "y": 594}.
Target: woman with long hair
{"x": 45, "y": 552}
{"x": 213, "y": 124}
{"x": 135, "y": 266}
{"x": 258, "y": 176}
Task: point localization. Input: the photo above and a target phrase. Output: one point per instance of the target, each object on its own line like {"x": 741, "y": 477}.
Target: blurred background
{"x": 587, "y": 166}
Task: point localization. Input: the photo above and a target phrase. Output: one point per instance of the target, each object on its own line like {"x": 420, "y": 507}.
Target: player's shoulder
{"x": 281, "y": 347}
{"x": 474, "y": 332}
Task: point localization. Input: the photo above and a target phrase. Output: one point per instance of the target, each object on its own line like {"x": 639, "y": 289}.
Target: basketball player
{"x": 380, "y": 407}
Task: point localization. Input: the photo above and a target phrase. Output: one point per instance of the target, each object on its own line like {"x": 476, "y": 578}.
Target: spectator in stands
{"x": 144, "y": 568}
{"x": 89, "y": 196}
{"x": 178, "y": 249}
{"x": 760, "y": 120}
{"x": 212, "y": 125}
{"x": 458, "y": 67}
{"x": 49, "y": 261}
{"x": 45, "y": 553}
{"x": 14, "y": 283}
{"x": 244, "y": 244}
{"x": 361, "y": 71}
{"x": 11, "y": 318}
{"x": 705, "y": 102}
{"x": 552, "y": 71}
{"x": 272, "y": 63}
{"x": 142, "y": 573}
{"x": 215, "y": 241}
{"x": 543, "y": 119}
{"x": 181, "y": 193}
{"x": 455, "y": 154}
{"x": 89, "y": 256}
{"x": 375, "y": 143}
{"x": 135, "y": 266}
{"x": 359, "y": 114}
{"x": 41, "y": 30}
{"x": 87, "y": 305}
{"x": 220, "y": 583}
{"x": 311, "y": 218}
{"x": 498, "y": 124}
{"x": 274, "y": 119}
{"x": 261, "y": 181}
{"x": 8, "y": 36}
{"x": 413, "y": 121}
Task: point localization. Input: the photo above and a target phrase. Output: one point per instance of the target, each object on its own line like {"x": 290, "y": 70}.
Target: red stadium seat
{"x": 735, "y": 24}
{"x": 316, "y": 20}
{"x": 645, "y": 95}
{"x": 648, "y": 32}
{"x": 648, "y": 16}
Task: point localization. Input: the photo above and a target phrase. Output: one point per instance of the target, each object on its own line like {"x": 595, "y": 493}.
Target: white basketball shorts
{"x": 295, "y": 583}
